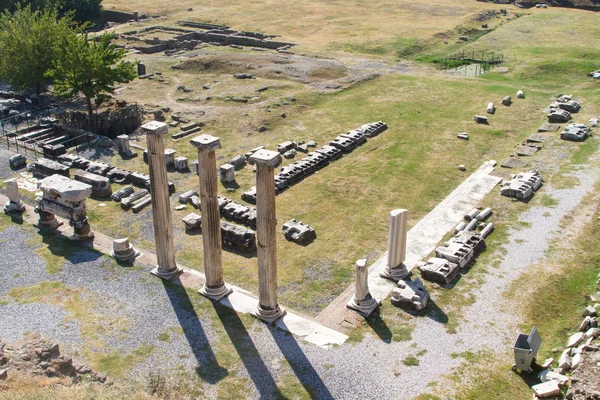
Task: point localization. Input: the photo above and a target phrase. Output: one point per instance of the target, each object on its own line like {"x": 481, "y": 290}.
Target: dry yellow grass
{"x": 318, "y": 25}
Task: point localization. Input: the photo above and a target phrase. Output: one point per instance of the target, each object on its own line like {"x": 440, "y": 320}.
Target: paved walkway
{"x": 422, "y": 239}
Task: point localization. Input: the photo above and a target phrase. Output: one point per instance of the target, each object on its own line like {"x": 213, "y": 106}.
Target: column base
{"x": 395, "y": 274}
{"x": 216, "y": 294}
{"x": 128, "y": 255}
{"x": 268, "y": 315}
{"x": 364, "y": 307}
{"x": 48, "y": 225}
{"x": 82, "y": 236}
{"x": 13, "y": 207}
{"x": 167, "y": 275}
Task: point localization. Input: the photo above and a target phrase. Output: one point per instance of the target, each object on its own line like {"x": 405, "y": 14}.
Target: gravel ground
{"x": 151, "y": 308}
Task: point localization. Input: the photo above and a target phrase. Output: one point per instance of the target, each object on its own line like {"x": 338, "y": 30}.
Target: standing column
{"x": 266, "y": 230}
{"x": 395, "y": 268}
{"x": 14, "y": 205}
{"x": 161, "y": 207}
{"x": 214, "y": 287}
{"x": 362, "y": 301}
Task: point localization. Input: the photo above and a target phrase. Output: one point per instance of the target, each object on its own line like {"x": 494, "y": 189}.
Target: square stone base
{"x": 216, "y": 294}
{"x": 169, "y": 275}
{"x": 87, "y": 236}
{"x": 363, "y": 307}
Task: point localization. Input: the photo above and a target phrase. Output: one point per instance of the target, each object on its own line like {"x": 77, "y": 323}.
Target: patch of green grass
{"x": 411, "y": 361}
{"x": 164, "y": 337}
{"x": 585, "y": 151}
{"x": 390, "y": 324}
{"x": 288, "y": 387}
{"x": 115, "y": 364}
{"x": 548, "y": 201}
{"x": 81, "y": 305}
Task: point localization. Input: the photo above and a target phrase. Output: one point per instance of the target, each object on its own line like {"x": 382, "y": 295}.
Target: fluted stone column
{"x": 214, "y": 287}
{"x": 395, "y": 268}
{"x": 362, "y": 301}
{"x": 161, "y": 207}
{"x": 266, "y": 161}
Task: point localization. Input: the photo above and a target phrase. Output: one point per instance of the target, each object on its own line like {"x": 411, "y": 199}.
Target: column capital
{"x": 155, "y": 128}
{"x": 398, "y": 211}
{"x": 266, "y": 158}
{"x": 206, "y": 142}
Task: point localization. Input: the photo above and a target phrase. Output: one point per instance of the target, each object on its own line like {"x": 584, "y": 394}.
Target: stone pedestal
{"x": 14, "y": 205}
{"x": 161, "y": 207}
{"x": 123, "y": 144}
{"x": 362, "y": 301}
{"x": 170, "y": 157}
{"x": 268, "y": 308}
{"x": 227, "y": 173}
{"x": 124, "y": 251}
{"x": 181, "y": 164}
{"x": 214, "y": 287}
{"x": 395, "y": 268}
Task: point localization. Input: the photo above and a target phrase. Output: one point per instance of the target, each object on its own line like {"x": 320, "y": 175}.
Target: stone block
{"x": 546, "y": 389}
{"x": 123, "y": 144}
{"x": 438, "y": 270}
{"x": 238, "y": 162}
{"x": 17, "y": 161}
{"x": 227, "y": 173}
{"x": 298, "y": 232}
{"x": 181, "y": 164}
{"x": 118, "y": 175}
{"x": 192, "y": 221}
{"x": 99, "y": 168}
{"x": 140, "y": 204}
{"x": 101, "y": 186}
{"x": 43, "y": 167}
{"x": 184, "y": 198}
{"x": 410, "y": 294}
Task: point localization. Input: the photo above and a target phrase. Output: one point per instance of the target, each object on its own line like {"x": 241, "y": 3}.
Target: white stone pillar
{"x": 161, "y": 206}
{"x": 14, "y": 205}
{"x": 395, "y": 268}
{"x": 124, "y": 251}
{"x": 362, "y": 301}
{"x": 268, "y": 308}
{"x": 214, "y": 287}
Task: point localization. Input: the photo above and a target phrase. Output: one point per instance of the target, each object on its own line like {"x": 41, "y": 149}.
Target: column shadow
{"x": 208, "y": 368}
{"x": 244, "y": 346}
{"x": 301, "y": 365}
{"x": 379, "y": 326}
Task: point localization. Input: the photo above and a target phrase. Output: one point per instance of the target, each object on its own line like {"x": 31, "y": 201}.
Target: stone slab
{"x": 512, "y": 162}
{"x": 526, "y": 150}
{"x": 549, "y": 127}
{"x": 537, "y": 138}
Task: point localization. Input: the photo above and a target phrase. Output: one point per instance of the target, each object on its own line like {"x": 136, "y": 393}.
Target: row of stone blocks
{"x": 97, "y": 174}
{"x": 343, "y": 144}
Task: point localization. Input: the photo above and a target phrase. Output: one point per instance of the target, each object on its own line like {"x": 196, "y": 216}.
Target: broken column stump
{"x": 362, "y": 302}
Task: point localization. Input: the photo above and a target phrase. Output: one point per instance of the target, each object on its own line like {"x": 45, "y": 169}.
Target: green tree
{"x": 28, "y": 44}
{"x": 83, "y": 10}
{"x": 90, "y": 67}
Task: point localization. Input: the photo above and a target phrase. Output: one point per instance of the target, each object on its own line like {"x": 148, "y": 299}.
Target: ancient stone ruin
{"x": 410, "y": 295}
{"x": 522, "y": 186}
{"x": 298, "y": 232}
{"x": 14, "y": 204}
{"x": 362, "y": 301}
{"x": 66, "y": 198}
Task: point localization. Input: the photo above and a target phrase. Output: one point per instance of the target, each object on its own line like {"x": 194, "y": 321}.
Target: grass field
{"x": 413, "y": 165}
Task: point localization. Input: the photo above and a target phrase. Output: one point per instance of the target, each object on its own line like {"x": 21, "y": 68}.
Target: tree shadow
{"x": 208, "y": 368}
{"x": 244, "y": 346}
{"x": 301, "y": 365}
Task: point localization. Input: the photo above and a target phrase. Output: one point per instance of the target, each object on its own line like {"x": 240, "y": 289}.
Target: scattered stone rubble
{"x": 232, "y": 236}
{"x": 581, "y": 358}
{"x": 38, "y": 356}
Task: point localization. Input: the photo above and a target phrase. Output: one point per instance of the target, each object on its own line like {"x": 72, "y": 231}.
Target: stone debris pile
{"x": 38, "y": 356}
{"x": 232, "y": 236}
